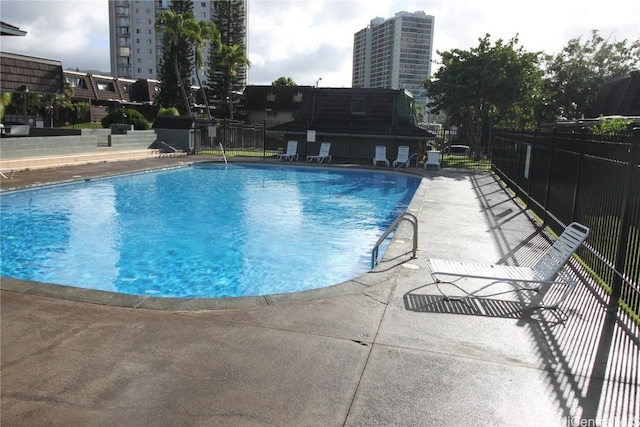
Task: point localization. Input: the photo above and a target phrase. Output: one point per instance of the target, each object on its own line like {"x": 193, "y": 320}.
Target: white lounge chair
{"x": 292, "y": 151}
{"x": 17, "y": 130}
{"x": 9, "y": 172}
{"x": 433, "y": 159}
{"x": 539, "y": 277}
{"x": 325, "y": 147}
{"x": 381, "y": 155}
{"x": 403, "y": 156}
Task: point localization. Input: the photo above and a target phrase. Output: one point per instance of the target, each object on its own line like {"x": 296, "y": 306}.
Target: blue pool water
{"x": 203, "y": 231}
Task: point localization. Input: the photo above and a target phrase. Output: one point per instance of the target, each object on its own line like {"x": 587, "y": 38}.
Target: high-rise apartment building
{"x": 394, "y": 53}
{"x": 136, "y": 47}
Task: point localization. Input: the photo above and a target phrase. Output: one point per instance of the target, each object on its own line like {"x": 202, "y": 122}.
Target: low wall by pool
{"x": 89, "y": 141}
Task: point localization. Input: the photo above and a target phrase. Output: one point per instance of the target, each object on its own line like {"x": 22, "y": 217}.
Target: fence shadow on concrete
{"x": 591, "y": 358}
{"x": 589, "y": 354}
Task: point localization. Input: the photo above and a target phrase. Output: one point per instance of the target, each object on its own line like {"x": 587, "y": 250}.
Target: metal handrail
{"x": 406, "y": 162}
{"x": 175, "y": 150}
{"x": 404, "y": 216}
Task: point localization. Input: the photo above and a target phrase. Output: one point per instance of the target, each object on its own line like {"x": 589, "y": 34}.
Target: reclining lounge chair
{"x": 542, "y": 275}
{"x": 323, "y": 155}
{"x": 292, "y": 151}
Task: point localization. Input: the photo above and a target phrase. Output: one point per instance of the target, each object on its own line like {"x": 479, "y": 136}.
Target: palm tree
{"x": 5, "y": 100}
{"x": 232, "y": 58}
{"x": 177, "y": 27}
{"x": 284, "y": 81}
{"x": 205, "y": 32}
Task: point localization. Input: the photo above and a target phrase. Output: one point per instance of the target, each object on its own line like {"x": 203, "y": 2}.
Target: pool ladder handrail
{"x": 224, "y": 156}
{"x": 404, "y": 216}
{"x": 406, "y": 162}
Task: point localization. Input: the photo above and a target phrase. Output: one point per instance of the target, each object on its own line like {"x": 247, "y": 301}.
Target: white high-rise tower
{"x": 136, "y": 47}
{"x": 394, "y": 53}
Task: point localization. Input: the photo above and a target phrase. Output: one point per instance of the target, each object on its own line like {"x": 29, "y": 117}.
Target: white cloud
{"x": 308, "y": 39}
{"x": 76, "y": 32}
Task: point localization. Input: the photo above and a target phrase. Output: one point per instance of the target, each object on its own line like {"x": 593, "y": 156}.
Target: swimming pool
{"x": 204, "y": 231}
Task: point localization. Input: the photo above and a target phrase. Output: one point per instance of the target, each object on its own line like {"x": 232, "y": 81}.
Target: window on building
{"x": 271, "y": 97}
{"x": 358, "y": 105}
{"x": 76, "y": 82}
{"x": 106, "y": 86}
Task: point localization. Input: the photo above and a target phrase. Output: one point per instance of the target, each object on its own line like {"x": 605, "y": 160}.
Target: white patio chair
{"x": 9, "y": 172}
{"x": 292, "y": 151}
{"x": 381, "y": 155}
{"x": 433, "y": 159}
{"x": 402, "y": 157}
{"x": 323, "y": 155}
{"x": 543, "y": 274}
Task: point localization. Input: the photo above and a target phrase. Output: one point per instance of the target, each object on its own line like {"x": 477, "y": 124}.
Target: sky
{"x": 311, "y": 41}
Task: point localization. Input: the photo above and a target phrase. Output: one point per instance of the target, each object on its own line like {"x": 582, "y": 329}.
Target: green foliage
{"x": 284, "y": 81}
{"x": 126, "y": 116}
{"x": 198, "y": 36}
{"x": 575, "y": 75}
{"x": 84, "y": 111}
{"x": 5, "y": 100}
{"x": 611, "y": 125}
{"x": 176, "y": 65}
{"x": 497, "y": 83}
{"x": 228, "y": 65}
{"x": 171, "y": 111}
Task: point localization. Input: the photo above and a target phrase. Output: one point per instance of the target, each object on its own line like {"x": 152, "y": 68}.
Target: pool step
{"x": 46, "y": 162}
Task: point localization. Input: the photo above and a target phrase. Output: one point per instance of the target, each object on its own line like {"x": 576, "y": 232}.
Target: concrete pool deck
{"x": 382, "y": 349}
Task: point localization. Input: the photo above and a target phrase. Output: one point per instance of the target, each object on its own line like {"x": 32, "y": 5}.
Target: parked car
{"x": 460, "y": 150}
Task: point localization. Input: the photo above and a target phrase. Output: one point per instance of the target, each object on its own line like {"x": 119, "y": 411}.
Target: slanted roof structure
{"x": 619, "y": 96}
{"x": 106, "y": 90}
{"x": 20, "y": 73}
{"x": 10, "y": 30}
{"x": 356, "y": 111}
{"x": 278, "y": 98}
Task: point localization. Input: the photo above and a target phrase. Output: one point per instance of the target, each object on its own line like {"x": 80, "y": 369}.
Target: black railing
{"x": 258, "y": 139}
{"x": 585, "y": 177}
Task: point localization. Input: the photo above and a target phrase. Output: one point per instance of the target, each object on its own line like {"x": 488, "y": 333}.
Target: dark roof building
{"x": 10, "y": 30}
{"x": 355, "y": 120}
{"x": 21, "y": 73}
{"x": 279, "y": 103}
{"x": 619, "y": 96}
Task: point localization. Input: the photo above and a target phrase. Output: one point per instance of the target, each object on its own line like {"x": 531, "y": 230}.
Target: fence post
{"x": 548, "y": 184}
{"x": 625, "y": 220}
{"x": 574, "y": 203}
{"x": 531, "y": 163}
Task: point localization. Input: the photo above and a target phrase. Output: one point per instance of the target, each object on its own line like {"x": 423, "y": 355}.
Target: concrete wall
{"x": 132, "y": 140}
{"x": 91, "y": 141}
{"x": 180, "y": 139}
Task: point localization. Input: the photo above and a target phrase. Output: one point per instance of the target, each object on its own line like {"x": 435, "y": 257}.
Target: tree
{"x": 232, "y": 59}
{"x": 177, "y": 24}
{"x": 204, "y": 32}
{"x": 486, "y": 84}
{"x": 575, "y": 75}
{"x": 224, "y": 86}
{"x": 5, "y": 100}
{"x": 284, "y": 81}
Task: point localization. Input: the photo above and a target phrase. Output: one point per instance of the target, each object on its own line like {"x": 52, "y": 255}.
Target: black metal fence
{"x": 593, "y": 179}
{"x": 257, "y": 139}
